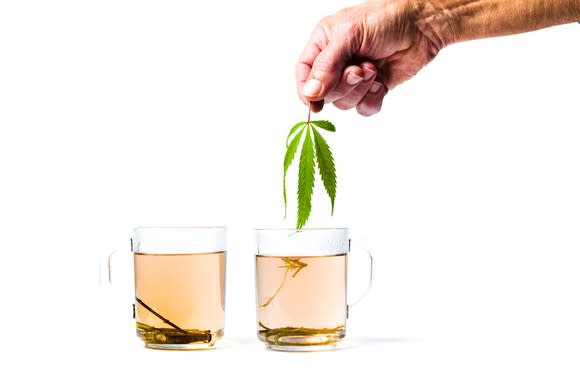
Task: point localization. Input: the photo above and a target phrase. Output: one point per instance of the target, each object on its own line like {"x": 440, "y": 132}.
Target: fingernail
{"x": 369, "y": 73}
{"x": 312, "y": 88}
{"x": 353, "y": 79}
{"x": 375, "y": 87}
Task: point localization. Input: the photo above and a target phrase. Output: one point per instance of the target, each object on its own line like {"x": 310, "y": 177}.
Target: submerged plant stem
{"x": 271, "y": 298}
{"x": 276, "y": 335}
{"x": 165, "y": 320}
{"x": 289, "y": 264}
{"x": 154, "y": 335}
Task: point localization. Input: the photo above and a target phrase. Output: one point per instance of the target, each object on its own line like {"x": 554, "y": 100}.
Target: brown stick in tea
{"x": 167, "y": 321}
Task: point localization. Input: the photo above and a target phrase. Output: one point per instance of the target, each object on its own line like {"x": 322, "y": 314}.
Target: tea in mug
{"x": 301, "y": 300}
{"x": 179, "y": 299}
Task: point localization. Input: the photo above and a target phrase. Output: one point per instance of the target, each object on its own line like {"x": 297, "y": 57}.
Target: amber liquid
{"x": 301, "y": 300}
{"x": 180, "y": 299}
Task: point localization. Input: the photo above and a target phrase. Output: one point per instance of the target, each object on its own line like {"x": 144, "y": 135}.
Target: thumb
{"x": 326, "y": 70}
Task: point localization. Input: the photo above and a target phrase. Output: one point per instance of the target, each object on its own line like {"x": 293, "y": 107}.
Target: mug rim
{"x": 223, "y": 227}
{"x": 286, "y": 229}
{"x": 178, "y": 239}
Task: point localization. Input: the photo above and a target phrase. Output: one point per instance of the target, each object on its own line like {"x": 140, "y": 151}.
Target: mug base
{"x": 174, "y": 339}
{"x": 301, "y": 339}
{"x": 302, "y": 348}
{"x": 200, "y": 346}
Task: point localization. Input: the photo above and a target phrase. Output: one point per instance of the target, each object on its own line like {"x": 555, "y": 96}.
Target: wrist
{"x": 453, "y": 21}
{"x": 436, "y": 23}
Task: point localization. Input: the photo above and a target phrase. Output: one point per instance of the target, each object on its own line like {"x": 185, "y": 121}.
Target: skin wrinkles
{"x": 357, "y": 55}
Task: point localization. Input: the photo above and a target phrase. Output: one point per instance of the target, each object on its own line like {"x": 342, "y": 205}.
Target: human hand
{"x": 357, "y": 55}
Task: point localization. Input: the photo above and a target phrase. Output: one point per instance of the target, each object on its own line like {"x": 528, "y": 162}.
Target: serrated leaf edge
{"x": 293, "y": 129}
{"x": 288, "y": 158}
{"x": 305, "y": 189}
{"x": 323, "y": 163}
{"x": 324, "y": 124}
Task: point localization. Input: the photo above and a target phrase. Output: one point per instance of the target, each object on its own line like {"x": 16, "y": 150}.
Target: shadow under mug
{"x": 301, "y": 287}
{"x": 179, "y": 286}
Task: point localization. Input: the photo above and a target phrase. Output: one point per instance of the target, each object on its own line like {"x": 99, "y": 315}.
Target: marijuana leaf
{"x": 305, "y": 180}
{"x": 314, "y": 151}
{"x": 290, "y": 151}
{"x": 294, "y": 128}
{"x": 324, "y": 124}
{"x": 326, "y": 167}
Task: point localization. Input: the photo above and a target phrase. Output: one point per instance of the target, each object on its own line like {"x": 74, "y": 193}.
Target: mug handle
{"x": 106, "y": 266}
{"x": 113, "y": 272}
{"x": 105, "y": 269}
{"x": 370, "y": 280}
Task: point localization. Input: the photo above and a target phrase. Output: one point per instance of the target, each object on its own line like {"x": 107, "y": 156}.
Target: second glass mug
{"x": 301, "y": 287}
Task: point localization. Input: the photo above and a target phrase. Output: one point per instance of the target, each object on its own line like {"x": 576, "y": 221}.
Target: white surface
{"x": 117, "y": 114}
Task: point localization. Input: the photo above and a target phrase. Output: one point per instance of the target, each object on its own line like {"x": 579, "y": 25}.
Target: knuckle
{"x": 342, "y": 105}
{"x": 323, "y": 66}
{"x": 348, "y": 26}
{"x": 333, "y": 97}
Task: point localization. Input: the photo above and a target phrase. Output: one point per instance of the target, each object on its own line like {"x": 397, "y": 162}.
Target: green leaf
{"x": 294, "y": 128}
{"x": 324, "y": 124}
{"x": 290, "y": 151}
{"x": 326, "y": 168}
{"x": 305, "y": 180}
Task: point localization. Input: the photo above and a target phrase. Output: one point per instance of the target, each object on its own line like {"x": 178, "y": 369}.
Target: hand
{"x": 356, "y": 56}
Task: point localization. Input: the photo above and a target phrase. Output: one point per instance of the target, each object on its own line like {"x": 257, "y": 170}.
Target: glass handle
{"x": 109, "y": 266}
{"x": 115, "y": 278}
{"x": 370, "y": 279}
{"x": 105, "y": 269}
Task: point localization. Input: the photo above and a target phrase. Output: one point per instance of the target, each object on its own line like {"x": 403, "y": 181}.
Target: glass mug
{"x": 179, "y": 286}
{"x": 301, "y": 287}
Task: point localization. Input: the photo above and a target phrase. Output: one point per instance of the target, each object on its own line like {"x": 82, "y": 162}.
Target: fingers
{"x": 322, "y": 76}
{"x": 321, "y": 65}
{"x": 373, "y": 100}
{"x": 359, "y": 90}
{"x": 326, "y": 71}
{"x": 351, "y": 77}
{"x": 303, "y": 69}
{"x": 364, "y": 92}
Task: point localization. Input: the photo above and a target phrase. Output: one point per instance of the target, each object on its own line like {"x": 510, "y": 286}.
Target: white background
{"x": 116, "y": 114}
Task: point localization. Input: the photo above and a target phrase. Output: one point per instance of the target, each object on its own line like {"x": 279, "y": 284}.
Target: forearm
{"x": 459, "y": 20}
